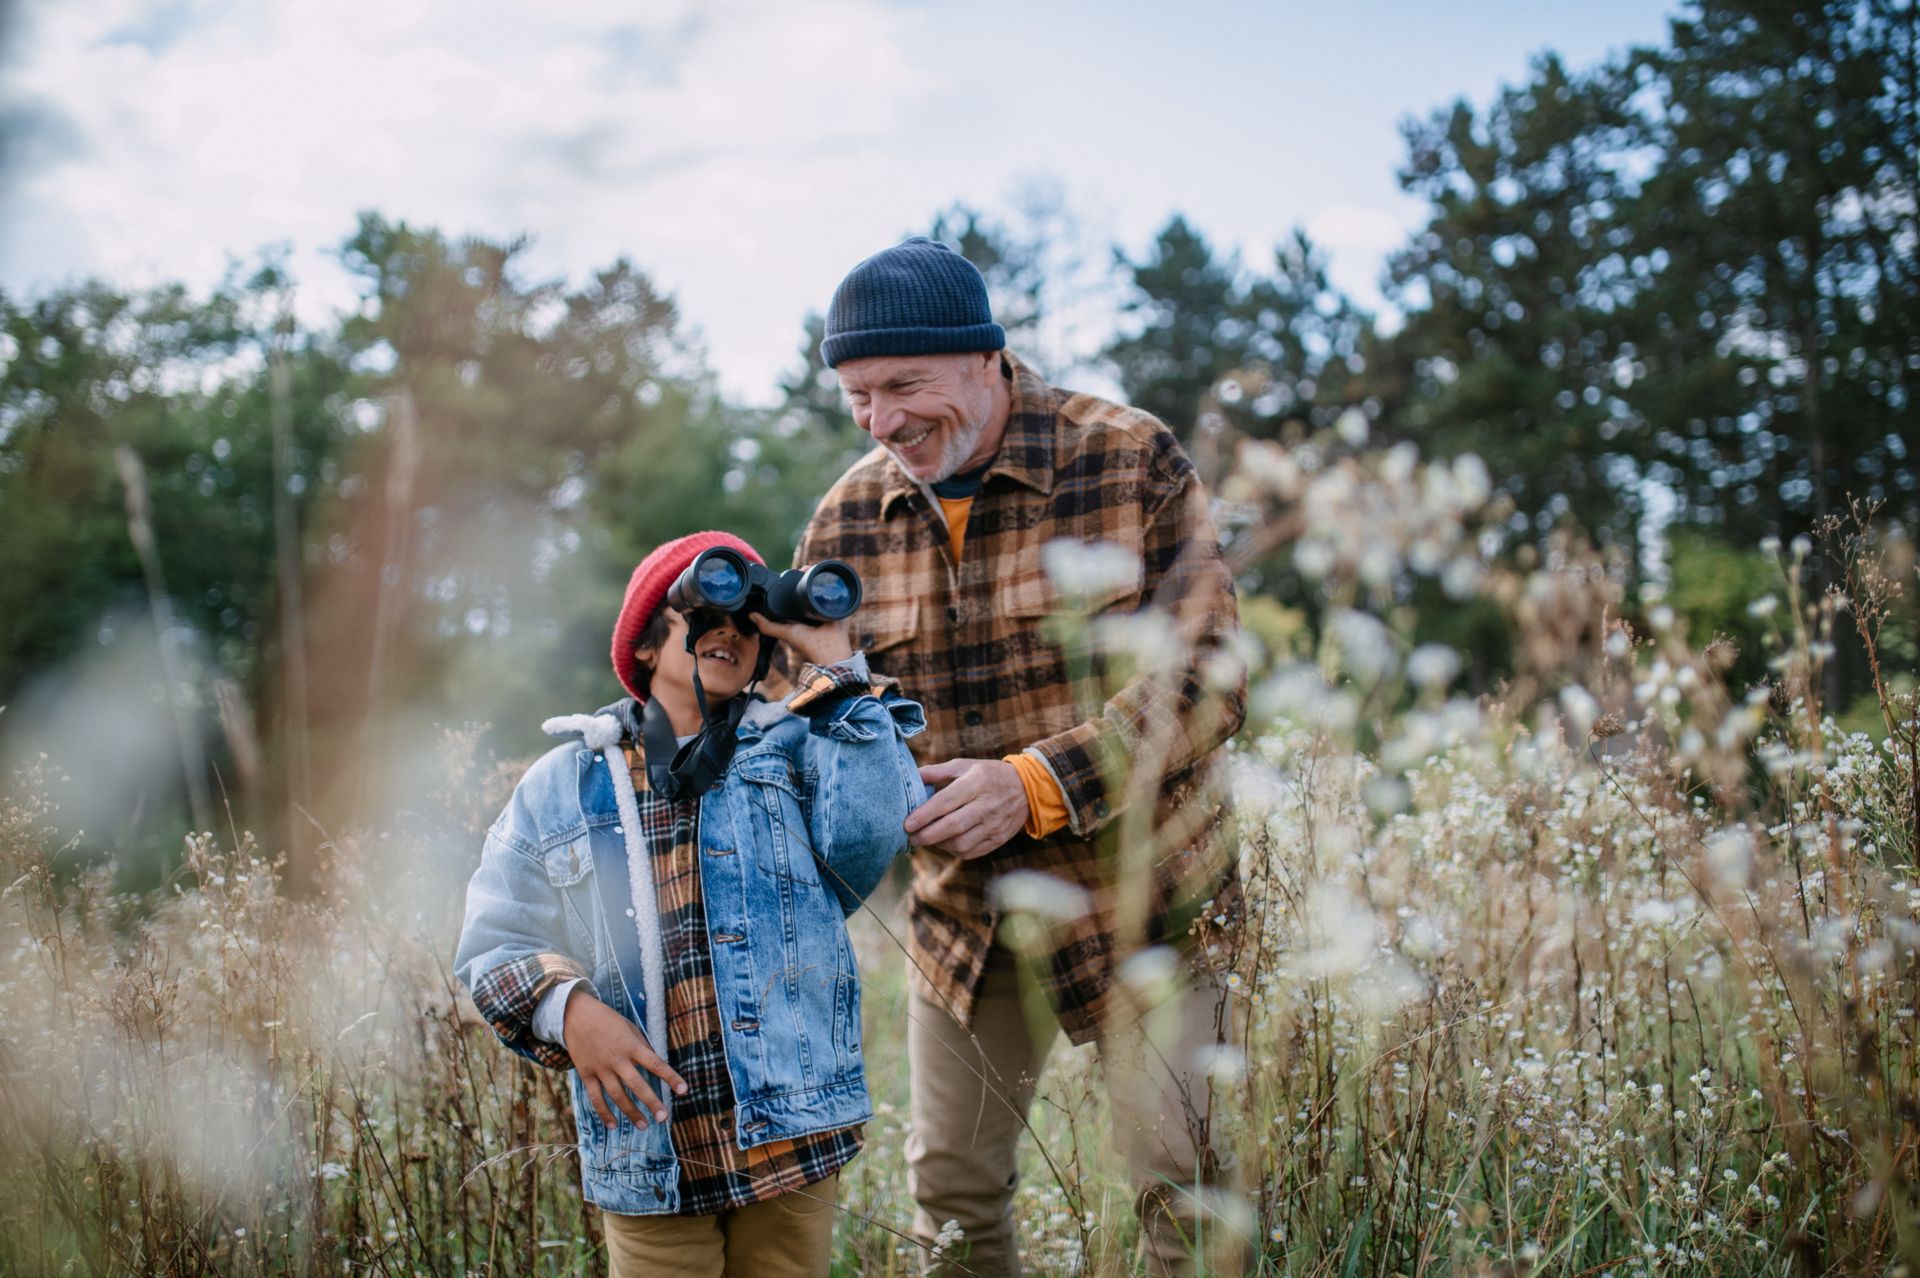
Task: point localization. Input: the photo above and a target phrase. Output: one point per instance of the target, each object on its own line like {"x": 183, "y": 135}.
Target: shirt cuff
{"x": 818, "y": 688}
{"x": 1046, "y": 805}
{"x": 550, "y": 1015}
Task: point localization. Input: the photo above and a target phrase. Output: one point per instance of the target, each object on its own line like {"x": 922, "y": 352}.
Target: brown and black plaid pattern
{"x": 715, "y": 1173}
{"x": 507, "y": 994}
{"x": 970, "y": 641}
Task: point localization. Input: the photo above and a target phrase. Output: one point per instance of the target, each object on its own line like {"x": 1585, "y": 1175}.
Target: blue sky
{"x": 744, "y": 152}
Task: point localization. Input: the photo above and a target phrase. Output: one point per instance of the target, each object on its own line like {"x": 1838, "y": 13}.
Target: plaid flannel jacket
{"x": 973, "y": 641}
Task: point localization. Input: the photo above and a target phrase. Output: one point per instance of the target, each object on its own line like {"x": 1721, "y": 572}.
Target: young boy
{"x": 686, "y": 954}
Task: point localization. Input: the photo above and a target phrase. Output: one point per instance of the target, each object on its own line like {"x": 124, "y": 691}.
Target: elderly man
{"x": 993, "y": 503}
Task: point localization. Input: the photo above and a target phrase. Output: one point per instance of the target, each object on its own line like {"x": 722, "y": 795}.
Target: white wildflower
{"x": 1433, "y": 665}
{"x": 1353, "y": 428}
{"x": 1091, "y": 570}
{"x": 1730, "y": 856}
{"x": 1038, "y": 893}
{"x": 1580, "y": 709}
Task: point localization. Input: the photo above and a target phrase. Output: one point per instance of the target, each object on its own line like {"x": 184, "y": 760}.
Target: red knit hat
{"x": 647, "y": 594}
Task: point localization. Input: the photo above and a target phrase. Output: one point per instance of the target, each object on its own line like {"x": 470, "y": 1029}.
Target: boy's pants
{"x": 786, "y": 1237}
{"x": 971, "y": 1089}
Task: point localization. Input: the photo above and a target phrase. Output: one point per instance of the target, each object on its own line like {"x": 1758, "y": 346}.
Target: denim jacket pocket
{"x": 622, "y": 1147}
{"x": 569, "y": 867}
{"x": 775, "y": 796}
{"x": 569, "y": 862}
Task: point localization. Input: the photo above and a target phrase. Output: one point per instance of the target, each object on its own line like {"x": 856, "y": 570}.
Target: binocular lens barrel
{"x": 721, "y": 578}
{"x": 829, "y": 591}
{"x": 724, "y": 580}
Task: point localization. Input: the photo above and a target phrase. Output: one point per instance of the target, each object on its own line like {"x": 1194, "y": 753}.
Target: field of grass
{"x": 1614, "y": 972}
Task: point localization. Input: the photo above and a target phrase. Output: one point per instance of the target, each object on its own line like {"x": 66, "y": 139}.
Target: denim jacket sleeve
{"x": 513, "y": 940}
{"x": 866, "y": 781}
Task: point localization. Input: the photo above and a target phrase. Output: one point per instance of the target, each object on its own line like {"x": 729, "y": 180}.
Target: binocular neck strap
{"x": 691, "y": 770}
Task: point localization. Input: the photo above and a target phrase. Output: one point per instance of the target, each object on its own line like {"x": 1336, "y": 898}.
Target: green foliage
{"x": 1668, "y": 299}
{"x": 1219, "y": 346}
{"x": 1693, "y": 267}
{"x": 1512, "y": 331}
{"x": 1713, "y": 589}
{"x": 1780, "y": 312}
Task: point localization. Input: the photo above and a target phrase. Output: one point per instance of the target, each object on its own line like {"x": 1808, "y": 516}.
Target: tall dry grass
{"x": 1613, "y": 972}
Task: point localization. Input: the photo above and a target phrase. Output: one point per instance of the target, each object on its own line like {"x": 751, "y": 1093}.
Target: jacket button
{"x": 1100, "y": 807}
{"x": 974, "y": 718}
{"x": 659, "y": 1194}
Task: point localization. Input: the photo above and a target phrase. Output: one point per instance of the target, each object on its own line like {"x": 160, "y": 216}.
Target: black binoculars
{"x": 726, "y": 581}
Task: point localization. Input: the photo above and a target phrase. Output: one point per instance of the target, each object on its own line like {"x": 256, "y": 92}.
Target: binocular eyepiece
{"x": 726, "y": 581}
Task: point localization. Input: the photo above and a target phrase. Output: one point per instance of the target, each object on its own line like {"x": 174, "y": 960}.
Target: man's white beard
{"x": 955, "y": 453}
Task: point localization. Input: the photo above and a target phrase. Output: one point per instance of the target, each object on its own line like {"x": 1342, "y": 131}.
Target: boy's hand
{"x": 823, "y": 644}
{"x": 609, "y": 1051}
{"x": 979, "y": 805}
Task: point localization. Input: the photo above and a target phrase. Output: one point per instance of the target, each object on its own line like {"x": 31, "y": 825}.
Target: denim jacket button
{"x": 630, "y": 911}
{"x": 619, "y": 830}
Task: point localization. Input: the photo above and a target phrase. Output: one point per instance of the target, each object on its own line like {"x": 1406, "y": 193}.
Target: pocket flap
{"x": 567, "y": 863}
{"x": 1085, "y": 577}
{"x": 767, "y": 767}
{"x": 886, "y": 623}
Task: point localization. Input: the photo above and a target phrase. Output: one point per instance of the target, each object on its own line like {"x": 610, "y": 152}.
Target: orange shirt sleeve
{"x": 1046, "y": 806}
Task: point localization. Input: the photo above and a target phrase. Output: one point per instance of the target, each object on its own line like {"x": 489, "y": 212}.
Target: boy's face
{"x": 726, "y": 659}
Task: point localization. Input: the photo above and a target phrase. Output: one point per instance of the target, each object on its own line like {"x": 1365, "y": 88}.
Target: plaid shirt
{"x": 972, "y": 641}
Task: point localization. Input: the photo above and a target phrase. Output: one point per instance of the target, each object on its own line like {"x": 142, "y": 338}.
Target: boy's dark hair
{"x": 652, "y": 635}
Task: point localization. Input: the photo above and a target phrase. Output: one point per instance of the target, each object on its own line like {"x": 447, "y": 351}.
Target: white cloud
{"x": 681, "y": 138}
{"x": 744, "y": 153}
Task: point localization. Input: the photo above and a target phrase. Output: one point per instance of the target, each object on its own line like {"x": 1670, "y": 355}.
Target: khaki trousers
{"x": 972, "y": 1091}
{"x": 786, "y": 1237}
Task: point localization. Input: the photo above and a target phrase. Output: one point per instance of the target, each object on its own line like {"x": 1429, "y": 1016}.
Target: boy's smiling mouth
{"x": 720, "y": 654}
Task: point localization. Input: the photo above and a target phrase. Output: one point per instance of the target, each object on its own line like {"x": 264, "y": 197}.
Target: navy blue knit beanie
{"x": 916, "y": 298}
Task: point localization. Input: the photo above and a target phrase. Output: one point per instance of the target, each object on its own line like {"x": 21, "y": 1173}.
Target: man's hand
{"x": 979, "y": 805}
{"x": 609, "y": 1051}
{"x": 823, "y": 644}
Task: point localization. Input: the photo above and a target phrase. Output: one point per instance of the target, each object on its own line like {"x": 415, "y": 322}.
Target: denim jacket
{"x": 800, "y": 829}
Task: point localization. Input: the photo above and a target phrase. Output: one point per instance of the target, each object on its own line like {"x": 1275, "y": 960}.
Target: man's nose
{"x": 884, "y": 418}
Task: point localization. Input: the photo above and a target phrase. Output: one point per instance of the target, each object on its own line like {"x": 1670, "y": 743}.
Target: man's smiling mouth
{"x": 910, "y": 438}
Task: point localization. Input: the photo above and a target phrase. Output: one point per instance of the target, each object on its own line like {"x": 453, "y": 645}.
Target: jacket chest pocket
{"x": 1068, "y": 575}
{"x": 882, "y": 625}
{"x": 772, "y": 800}
{"x": 569, "y": 868}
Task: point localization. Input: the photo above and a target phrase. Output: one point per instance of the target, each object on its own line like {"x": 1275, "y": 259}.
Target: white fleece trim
{"x": 601, "y": 733}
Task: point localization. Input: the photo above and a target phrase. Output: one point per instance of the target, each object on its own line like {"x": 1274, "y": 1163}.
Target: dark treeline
{"x": 1673, "y": 300}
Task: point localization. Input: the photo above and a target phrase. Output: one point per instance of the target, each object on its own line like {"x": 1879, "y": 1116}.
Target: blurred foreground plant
{"x": 1613, "y": 969}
